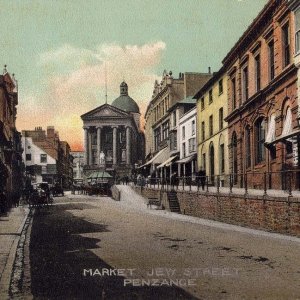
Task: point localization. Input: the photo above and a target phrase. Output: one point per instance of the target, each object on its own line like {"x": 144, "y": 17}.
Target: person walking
{"x": 202, "y": 177}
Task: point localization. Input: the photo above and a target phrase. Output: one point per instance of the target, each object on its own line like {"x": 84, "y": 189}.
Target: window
{"x": 156, "y": 138}
{"x": 210, "y": 95}
{"x": 43, "y": 158}
{"x": 173, "y": 141}
{"x": 297, "y": 30}
{"x": 203, "y": 131}
{"x": 193, "y": 127}
{"x": 28, "y": 156}
{"x": 202, "y": 103}
{"x": 257, "y": 72}
{"x": 174, "y": 119}
{"x": 248, "y": 147}
{"x": 234, "y": 158}
{"x": 260, "y": 140}
{"x": 222, "y": 158}
{"x": 220, "y": 86}
{"x": 183, "y": 150}
{"x": 286, "y": 45}
{"x": 165, "y": 130}
{"x": 221, "y": 117}
{"x": 211, "y": 129}
{"x": 192, "y": 145}
{"x": 166, "y": 105}
{"x": 233, "y": 91}
{"x": 245, "y": 83}
{"x": 183, "y": 132}
{"x": 271, "y": 61}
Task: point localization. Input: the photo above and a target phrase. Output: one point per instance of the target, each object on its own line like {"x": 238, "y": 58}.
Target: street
{"x": 86, "y": 247}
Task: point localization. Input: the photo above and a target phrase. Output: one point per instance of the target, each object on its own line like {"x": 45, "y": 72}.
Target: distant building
{"x": 11, "y": 167}
{"x": 187, "y": 163}
{"x": 66, "y": 164}
{"x": 78, "y": 163}
{"x": 171, "y": 98}
{"x": 47, "y": 158}
{"x": 113, "y": 138}
{"x": 212, "y": 132}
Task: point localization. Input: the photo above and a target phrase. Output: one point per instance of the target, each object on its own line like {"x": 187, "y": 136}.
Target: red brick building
{"x": 11, "y": 167}
{"x": 262, "y": 100}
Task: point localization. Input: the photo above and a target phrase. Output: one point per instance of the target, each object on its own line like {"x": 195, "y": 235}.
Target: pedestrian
{"x": 174, "y": 179}
{"x": 202, "y": 177}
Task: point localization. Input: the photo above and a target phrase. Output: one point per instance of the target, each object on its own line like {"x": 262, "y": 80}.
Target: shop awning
{"x": 271, "y": 130}
{"x": 167, "y": 163}
{"x": 101, "y": 174}
{"x": 187, "y": 159}
{"x": 285, "y": 138}
{"x": 160, "y": 157}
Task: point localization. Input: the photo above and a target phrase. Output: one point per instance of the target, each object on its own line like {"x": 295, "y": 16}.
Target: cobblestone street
{"x": 87, "y": 247}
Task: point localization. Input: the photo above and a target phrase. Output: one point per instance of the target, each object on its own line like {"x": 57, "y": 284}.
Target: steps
{"x": 173, "y": 202}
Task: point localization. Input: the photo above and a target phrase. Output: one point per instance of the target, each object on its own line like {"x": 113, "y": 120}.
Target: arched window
{"x": 203, "y": 158}
{"x": 221, "y": 155}
{"x": 260, "y": 129}
{"x": 248, "y": 147}
{"x": 234, "y": 157}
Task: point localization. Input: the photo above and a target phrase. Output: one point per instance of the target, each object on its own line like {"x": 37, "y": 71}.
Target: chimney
{"x": 50, "y": 132}
{"x": 209, "y": 70}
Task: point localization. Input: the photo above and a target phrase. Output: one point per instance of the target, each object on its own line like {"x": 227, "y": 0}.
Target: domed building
{"x": 113, "y": 138}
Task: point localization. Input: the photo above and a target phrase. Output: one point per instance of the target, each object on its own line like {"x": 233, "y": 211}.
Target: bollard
{"x": 218, "y": 184}
{"x": 230, "y": 183}
{"x": 246, "y": 183}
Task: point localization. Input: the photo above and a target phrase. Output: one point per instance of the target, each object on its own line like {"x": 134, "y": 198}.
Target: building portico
{"x": 113, "y": 139}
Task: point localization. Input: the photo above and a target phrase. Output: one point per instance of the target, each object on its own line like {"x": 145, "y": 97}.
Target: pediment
{"x": 105, "y": 111}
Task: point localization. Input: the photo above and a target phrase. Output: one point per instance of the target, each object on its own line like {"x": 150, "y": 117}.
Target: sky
{"x": 59, "y": 49}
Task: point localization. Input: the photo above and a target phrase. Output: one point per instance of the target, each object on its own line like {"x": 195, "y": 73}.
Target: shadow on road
{"x": 58, "y": 256}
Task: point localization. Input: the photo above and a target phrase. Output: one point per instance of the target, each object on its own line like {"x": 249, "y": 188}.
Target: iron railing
{"x": 280, "y": 183}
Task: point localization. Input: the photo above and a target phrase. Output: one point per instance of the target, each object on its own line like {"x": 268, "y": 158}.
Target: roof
{"x": 126, "y": 103}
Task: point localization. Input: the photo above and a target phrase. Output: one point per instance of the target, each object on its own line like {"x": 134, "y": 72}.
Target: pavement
{"x": 11, "y": 226}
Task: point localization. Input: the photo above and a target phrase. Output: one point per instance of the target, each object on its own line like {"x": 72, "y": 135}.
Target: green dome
{"x": 125, "y": 102}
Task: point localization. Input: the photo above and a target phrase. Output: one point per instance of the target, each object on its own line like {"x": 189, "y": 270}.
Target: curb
{"x": 7, "y": 272}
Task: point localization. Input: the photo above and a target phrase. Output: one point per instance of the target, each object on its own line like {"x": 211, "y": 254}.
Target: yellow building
{"x": 212, "y": 129}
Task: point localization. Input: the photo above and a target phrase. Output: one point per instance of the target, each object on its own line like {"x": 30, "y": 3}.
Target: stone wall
{"x": 281, "y": 215}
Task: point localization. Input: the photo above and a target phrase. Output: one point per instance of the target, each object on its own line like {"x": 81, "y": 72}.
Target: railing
{"x": 281, "y": 183}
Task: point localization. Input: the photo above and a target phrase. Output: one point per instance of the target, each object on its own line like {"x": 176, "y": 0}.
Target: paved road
{"x": 96, "y": 248}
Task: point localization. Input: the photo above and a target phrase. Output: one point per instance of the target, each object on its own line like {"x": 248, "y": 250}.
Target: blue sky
{"x": 58, "y": 50}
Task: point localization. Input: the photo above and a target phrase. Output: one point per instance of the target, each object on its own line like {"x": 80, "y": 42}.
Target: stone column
{"x": 86, "y": 146}
{"x": 128, "y": 145}
{"x": 98, "y": 144}
{"x": 114, "y": 145}
{"x": 90, "y": 149}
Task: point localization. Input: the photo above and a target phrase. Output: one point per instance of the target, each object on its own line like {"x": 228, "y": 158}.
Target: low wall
{"x": 115, "y": 193}
{"x": 280, "y": 215}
